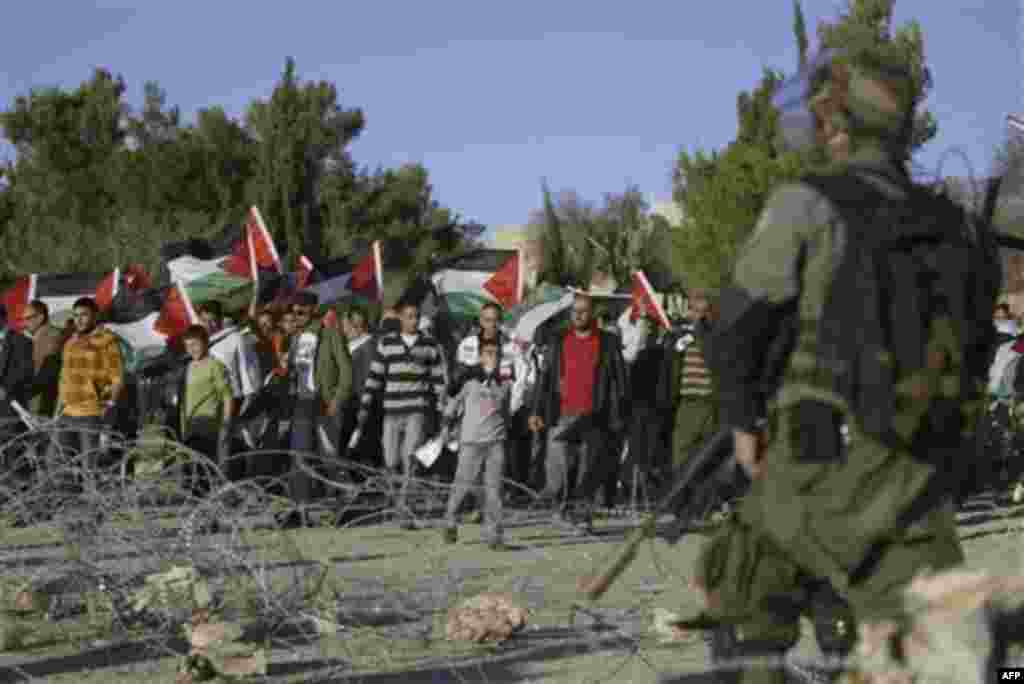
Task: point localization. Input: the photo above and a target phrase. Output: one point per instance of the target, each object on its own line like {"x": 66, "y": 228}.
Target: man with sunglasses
{"x": 320, "y": 385}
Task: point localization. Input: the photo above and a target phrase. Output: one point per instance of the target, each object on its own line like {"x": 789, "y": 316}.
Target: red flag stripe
{"x": 107, "y": 290}
{"x": 136, "y": 278}
{"x": 176, "y": 314}
{"x": 16, "y": 300}
{"x": 643, "y": 298}
{"x": 505, "y": 285}
{"x": 266, "y": 251}
{"x": 256, "y": 245}
{"x": 366, "y": 277}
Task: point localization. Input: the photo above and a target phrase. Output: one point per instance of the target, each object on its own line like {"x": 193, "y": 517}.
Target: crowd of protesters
{"x": 597, "y": 413}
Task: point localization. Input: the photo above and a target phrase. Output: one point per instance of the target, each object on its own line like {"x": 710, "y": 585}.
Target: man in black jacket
{"x": 580, "y": 400}
{"x": 16, "y": 373}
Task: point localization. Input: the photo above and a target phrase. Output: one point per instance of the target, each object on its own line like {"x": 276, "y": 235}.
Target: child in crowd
{"x": 206, "y": 405}
{"x": 483, "y": 403}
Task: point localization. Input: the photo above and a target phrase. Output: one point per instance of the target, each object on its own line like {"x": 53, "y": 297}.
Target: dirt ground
{"x": 396, "y": 587}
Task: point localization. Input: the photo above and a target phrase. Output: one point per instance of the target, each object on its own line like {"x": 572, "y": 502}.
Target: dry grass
{"x": 357, "y": 602}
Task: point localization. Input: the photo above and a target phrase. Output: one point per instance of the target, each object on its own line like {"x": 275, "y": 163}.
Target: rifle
{"x": 714, "y": 452}
{"x": 704, "y": 463}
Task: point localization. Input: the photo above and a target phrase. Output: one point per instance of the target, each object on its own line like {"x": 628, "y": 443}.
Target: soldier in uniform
{"x": 859, "y": 525}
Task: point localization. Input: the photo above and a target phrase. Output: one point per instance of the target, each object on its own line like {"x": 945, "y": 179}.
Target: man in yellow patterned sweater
{"x": 91, "y": 381}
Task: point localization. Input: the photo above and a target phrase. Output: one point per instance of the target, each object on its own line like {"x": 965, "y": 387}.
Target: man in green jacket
{"x": 320, "y": 384}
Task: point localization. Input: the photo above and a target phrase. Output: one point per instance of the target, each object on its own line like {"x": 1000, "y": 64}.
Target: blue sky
{"x": 492, "y": 96}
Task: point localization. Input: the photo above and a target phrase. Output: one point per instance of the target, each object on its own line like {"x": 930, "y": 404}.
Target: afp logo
{"x": 1011, "y": 674}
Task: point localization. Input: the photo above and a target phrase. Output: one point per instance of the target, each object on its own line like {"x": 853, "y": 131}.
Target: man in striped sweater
{"x": 408, "y": 381}
{"x": 696, "y": 417}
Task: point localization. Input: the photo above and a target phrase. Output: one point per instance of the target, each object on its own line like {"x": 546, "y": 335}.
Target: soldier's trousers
{"x": 867, "y": 522}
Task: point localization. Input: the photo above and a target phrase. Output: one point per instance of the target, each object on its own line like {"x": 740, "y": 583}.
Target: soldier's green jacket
{"x": 824, "y": 515}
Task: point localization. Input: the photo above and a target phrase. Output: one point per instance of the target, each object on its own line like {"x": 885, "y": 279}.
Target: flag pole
{"x": 520, "y": 275}
{"x": 253, "y": 268}
{"x": 193, "y": 319}
{"x": 266, "y": 236}
{"x": 378, "y": 270}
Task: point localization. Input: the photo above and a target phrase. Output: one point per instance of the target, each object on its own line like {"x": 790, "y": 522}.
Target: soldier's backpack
{"x": 906, "y": 333}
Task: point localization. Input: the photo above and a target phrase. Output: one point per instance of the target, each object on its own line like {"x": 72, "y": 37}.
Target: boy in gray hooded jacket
{"x": 483, "y": 403}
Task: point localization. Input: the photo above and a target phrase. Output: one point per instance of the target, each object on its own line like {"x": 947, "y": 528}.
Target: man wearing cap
{"x": 692, "y": 386}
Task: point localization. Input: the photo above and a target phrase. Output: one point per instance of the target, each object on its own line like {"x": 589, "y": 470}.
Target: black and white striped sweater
{"x": 406, "y": 379}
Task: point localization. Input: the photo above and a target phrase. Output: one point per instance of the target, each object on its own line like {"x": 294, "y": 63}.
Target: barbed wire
{"x": 85, "y": 531}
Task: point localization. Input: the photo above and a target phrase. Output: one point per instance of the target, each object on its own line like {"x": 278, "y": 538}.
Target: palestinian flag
{"x": 644, "y": 299}
{"x": 279, "y": 290}
{"x": 227, "y": 266}
{"x": 147, "y": 335}
{"x": 466, "y": 282}
{"x": 506, "y": 286}
{"x": 341, "y": 278}
{"x": 329, "y": 281}
{"x": 59, "y": 291}
{"x": 548, "y": 302}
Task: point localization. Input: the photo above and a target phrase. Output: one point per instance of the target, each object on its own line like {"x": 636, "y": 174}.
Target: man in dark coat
{"x": 580, "y": 400}
{"x": 16, "y": 372}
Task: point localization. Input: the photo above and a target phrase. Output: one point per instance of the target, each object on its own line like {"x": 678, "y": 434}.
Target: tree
{"x": 867, "y": 25}
{"x": 64, "y": 142}
{"x": 721, "y": 194}
{"x": 61, "y": 191}
{"x": 800, "y": 33}
{"x": 96, "y": 184}
{"x": 301, "y": 130}
{"x": 224, "y": 155}
{"x": 397, "y": 207}
{"x": 547, "y": 227}
{"x": 580, "y": 239}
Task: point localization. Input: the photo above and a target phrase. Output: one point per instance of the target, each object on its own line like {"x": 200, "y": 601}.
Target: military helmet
{"x": 865, "y": 94}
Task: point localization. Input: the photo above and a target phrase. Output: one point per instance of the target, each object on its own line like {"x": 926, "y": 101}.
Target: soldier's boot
{"x": 834, "y": 627}
{"x": 728, "y": 650}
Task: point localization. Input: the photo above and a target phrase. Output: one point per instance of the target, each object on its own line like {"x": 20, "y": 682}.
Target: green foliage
{"x": 722, "y": 193}
{"x": 557, "y": 269}
{"x": 96, "y": 184}
{"x": 301, "y": 129}
{"x": 723, "y": 207}
{"x": 580, "y": 240}
{"x": 65, "y": 143}
{"x": 865, "y": 26}
{"x": 800, "y": 33}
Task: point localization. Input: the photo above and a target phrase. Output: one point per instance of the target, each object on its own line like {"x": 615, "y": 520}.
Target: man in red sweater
{"x": 580, "y": 400}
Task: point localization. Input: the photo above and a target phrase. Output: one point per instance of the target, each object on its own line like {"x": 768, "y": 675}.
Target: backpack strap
{"x": 881, "y": 247}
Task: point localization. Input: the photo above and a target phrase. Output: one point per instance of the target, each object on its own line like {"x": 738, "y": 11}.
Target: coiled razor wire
{"x": 79, "y": 528}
